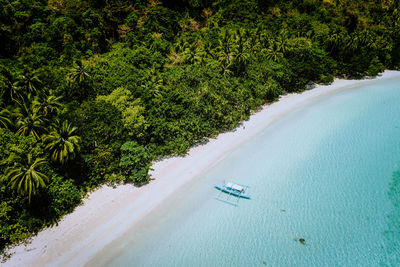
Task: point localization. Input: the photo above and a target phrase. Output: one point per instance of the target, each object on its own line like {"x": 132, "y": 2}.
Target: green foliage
{"x": 30, "y": 123}
{"x": 29, "y": 81}
{"x": 143, "y": 79}
{"x": 130, "y": 108}
{"x": 79, "y": 73}
{"x": 64, "y": 196}
{"x": 5, "y": 118}
{"x": 46, "y": 105}
{"x": 375, "y": 67}
{"x": 5, "y": 217}
{"x": 18, "y": 233}
{"x": 25, "y": 178}
{"x": 14, "y": 148}
{"x": 135, "y": 162}
{"x": 123, "y": 67}
{"x": 308, "y": 62}
{"x": 102, "y": 133}
{"x": 99, "y": 122}
{"x": 62, "y": 142}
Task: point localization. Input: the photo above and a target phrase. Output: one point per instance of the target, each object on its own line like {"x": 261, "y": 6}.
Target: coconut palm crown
{"x": 29, "y": 122}
{"x": 79, "y": 73}
{"x": 47, "y": 105}
{"x": 29, "y": 81}
{"x": 24, "y": 176}
{"x": 62, "y": 143}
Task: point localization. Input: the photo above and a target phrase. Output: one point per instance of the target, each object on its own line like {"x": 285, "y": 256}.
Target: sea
{"x": 324, "y": 182}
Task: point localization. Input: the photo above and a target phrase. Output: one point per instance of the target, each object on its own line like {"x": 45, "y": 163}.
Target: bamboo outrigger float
{"x": 233, "y": 192}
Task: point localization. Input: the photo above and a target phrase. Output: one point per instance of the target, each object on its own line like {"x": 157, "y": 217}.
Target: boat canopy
{"x": 233, "y": 191}
{"x": 234, "y": 186}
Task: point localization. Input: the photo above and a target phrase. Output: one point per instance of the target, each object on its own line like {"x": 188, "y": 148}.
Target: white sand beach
{"x": 108, "y": 213}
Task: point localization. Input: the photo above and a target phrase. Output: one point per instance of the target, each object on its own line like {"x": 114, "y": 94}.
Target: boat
{"x": 234, "y": 189}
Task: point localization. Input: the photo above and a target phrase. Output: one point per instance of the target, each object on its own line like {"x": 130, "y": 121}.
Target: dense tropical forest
{"x": 93, "y": 90}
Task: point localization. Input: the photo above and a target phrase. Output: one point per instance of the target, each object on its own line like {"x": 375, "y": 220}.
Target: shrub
{"x": 135, "y": 162}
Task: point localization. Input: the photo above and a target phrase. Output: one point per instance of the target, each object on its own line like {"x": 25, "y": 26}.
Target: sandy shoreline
{"x": 108, "y": 213}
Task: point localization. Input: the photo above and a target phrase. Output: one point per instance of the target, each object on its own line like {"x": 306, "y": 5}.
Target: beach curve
{"x": 108, "y": 213}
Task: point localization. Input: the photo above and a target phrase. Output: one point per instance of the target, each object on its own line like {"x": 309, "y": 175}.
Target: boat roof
{"x": 234, "y": 186}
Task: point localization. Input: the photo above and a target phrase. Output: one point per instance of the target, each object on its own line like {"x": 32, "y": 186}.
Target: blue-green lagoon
{"x": 327, "y": 172}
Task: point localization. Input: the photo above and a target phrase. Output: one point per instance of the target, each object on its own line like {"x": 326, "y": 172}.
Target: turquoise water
{"x": 328, "y": 173}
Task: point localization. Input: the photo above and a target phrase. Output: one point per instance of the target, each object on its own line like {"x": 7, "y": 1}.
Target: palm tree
{"x": 252, "y": 43}
{"x": 10, "y": 91}
{"x": 28, "y": 81}
{"x": 46, "y": 105}
{"x": 336, "y": 42}
{"x": 241, "y": 55}
{"x": 25, "y": 178}
{"x": 5, "y": 118}
{"x": 225, "y": 69}
{"x": 152, "y": 87}
{"x": 192, "y": 54}
{"x": 282, "y": 42}
{"x": 265, "y": 41}
{"x": 208, "y": 50}
{"x": 225, "y": 50}
{"x": 273, "y": 52}
{"x": 79, "y": 73}
{"x": 62, "y": 142}
{"x": 29, "y": 122}
{"x": 30, "y": 125}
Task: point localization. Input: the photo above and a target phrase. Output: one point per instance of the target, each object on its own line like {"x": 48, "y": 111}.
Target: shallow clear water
{"x": 325, "y": 173}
